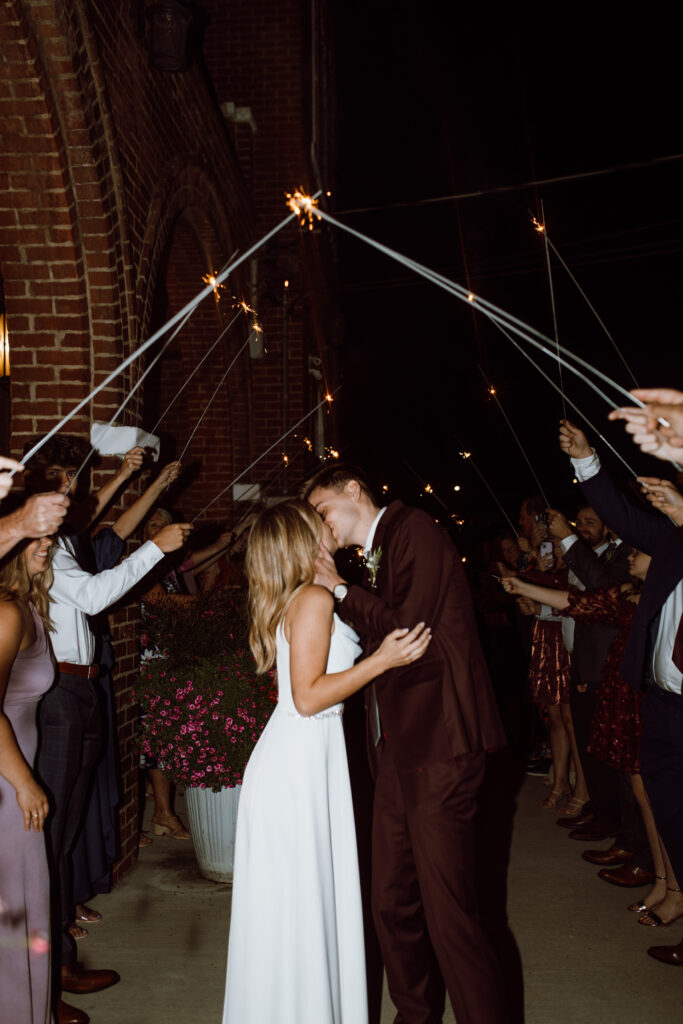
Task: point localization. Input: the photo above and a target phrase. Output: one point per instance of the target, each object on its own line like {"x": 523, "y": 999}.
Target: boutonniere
{"x": 373, "y": 562}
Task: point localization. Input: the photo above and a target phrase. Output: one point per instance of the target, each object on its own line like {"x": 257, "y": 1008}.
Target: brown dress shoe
{"x": 628, "y": 875}
{"x": 75, "y": 978}
{"x": 578, "y": 821}
{"x": 668, "y": 954}
{"x": 70, "y": 1014}
{"x": 608, "y": 858}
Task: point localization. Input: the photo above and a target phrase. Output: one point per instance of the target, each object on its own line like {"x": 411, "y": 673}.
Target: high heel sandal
{"x": 554, "y": 797}
{"x": 641, "y": 907}
{"x": 170, "y": 826}
{"x": 652, "y": 920}
{"x": 572, "y": 807}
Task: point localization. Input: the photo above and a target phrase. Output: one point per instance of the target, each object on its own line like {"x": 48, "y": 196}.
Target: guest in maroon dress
{"x": 26, "y": 673}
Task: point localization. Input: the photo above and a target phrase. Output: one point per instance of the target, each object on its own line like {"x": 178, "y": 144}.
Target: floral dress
{"x": 616, "y": 727}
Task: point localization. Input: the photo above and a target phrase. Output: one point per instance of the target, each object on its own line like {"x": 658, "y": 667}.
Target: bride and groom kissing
{"x": 296, "y": 936}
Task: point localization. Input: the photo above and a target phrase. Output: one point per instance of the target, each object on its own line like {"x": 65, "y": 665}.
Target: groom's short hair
{"x": 336, "y": 477}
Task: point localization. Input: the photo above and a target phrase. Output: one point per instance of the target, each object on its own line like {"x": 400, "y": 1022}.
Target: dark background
{"x": 434, "y": 101}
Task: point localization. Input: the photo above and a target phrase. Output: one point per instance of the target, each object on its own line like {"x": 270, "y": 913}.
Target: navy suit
{"x": 662, "y": 744}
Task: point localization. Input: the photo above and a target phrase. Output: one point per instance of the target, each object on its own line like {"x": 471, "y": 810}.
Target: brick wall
{"x": 120, "y": 187}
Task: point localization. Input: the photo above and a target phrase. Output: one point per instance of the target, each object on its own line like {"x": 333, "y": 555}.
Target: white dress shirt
{"x": 665, "y": 673}
{"x": 367, "y": 547}
{"x": 76, "y": 594}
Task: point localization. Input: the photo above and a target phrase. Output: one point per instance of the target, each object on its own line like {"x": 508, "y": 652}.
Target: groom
{"x": 430, "y": 725}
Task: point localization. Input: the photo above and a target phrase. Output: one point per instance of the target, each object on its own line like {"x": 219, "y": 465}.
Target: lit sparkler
{"x": 304, "y": 206}
{"x": 212, "y": 279}
{"x": 538, "y": 226}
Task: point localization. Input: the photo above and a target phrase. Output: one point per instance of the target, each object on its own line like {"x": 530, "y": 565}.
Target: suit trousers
{"x": 70, "y": 732}
{"x": 600, "y": 778}
{"x": 423, "y": 896}
{"x": 662, "y": 768}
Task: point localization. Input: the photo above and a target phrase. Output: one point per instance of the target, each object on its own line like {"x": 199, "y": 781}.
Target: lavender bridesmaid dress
{"x": 24, "y": 881}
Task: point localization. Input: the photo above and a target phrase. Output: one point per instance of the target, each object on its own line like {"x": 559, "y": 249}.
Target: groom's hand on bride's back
{"x": 403, "y": 646}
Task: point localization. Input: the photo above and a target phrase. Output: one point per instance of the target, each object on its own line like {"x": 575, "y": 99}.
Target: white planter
{"x": 213, "y": 820}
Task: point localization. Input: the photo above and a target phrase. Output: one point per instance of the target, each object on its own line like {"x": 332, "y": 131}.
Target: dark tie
{"x": 677, "y": 656}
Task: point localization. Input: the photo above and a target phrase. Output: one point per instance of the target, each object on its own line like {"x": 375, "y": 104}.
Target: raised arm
{"x": 131, "y": 463}
{"x": 40, "y": 516}
{"x": 544, "y": 595}
{"x": 308, "y": 627}
{"x": 129, "y": 520}
{"x": 93, "y": 593}
{"x": 13, "y": 766}
{"x": 636, "y": 527}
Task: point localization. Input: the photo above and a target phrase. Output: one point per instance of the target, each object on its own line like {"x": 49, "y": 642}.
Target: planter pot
{"x": 213, "y": 819}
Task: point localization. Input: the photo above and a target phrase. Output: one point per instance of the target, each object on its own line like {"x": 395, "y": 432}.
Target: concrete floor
{"x": 583, "y": 956}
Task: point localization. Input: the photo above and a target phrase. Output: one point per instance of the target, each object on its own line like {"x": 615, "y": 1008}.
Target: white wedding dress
{"x": 296, "y": 951}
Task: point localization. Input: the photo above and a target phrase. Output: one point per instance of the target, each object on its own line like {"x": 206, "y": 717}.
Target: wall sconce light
{"x": 4, "y": 345}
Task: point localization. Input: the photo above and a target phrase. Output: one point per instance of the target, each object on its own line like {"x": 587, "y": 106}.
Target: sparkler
{"x": 188, "y": 309}
{"x": 492, "y": 391}
{"x": 475, "y": 467}
{"x": 493, "y": 312}
{"x": 275, "y": 444}
{"x": 304, "y": 206}
{"x": 541, "y": 229}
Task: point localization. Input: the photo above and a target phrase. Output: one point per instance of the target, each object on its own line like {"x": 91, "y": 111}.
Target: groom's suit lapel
{"x": 379, "y": 541}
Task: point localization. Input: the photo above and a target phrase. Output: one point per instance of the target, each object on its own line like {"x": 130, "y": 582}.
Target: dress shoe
{"x": 628, "y": 875}
{"x": 578, "y": 821}
{"x": 75, "y": 978}
{"x": 593, "y": 832}
{"x": 668, "y": 954}
{"x": 608, "y": 858}
{"x": 70, "y": 1014}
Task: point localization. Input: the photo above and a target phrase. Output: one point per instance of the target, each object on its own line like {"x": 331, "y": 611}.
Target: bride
{"x": 295, "y": 953}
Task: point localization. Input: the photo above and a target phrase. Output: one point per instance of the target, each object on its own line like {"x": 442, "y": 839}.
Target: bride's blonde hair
{"x": 282, "y": 548}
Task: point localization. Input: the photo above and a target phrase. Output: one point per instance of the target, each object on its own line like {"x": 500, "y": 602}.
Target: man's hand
{"x": 6, "y": 467}
{"x": 173, "y": 536}
{"x": 326, "y": 571}
{"x": 131, "y": 463}
{"x": 558, "y": 525}
{"x": 664, "y": 496}
{"x": 573, "y": 441}
{"x": 167, "y": 475}
{"x": 41, "y": 515}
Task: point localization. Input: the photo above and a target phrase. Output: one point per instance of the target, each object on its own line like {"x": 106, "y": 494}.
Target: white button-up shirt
{"x": 76, "y": 594}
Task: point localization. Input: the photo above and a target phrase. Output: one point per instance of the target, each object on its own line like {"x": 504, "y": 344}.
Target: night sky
{"x": 434, "y": 101}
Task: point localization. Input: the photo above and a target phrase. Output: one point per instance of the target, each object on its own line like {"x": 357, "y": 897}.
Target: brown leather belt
{"x": 85, "y": 671}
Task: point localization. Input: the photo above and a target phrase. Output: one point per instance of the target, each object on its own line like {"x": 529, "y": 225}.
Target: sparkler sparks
{"x": 429, "y": 489}
{"x": 212, "y": 279}
{"x": 241, "y": 304}
{"x": 465, "y": 455}
{"x": 304, "y": 206}
{"x": 540, "y": 228}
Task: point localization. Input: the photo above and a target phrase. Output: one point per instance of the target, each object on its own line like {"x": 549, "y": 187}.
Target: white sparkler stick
{"x": 492, "y": 392}
{"x": 327, "y": 398}
{"x": 187, "y": 309}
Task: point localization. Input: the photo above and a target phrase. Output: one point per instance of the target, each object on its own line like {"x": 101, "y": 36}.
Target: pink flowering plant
{"x": 203, "y": 705}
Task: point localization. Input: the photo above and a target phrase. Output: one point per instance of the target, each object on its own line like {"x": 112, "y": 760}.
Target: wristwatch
{"x": 340, "y": 592}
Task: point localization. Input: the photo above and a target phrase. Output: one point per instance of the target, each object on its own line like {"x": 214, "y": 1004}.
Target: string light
{"x": 304, "y": 206}
{"x": 457, "y": 487}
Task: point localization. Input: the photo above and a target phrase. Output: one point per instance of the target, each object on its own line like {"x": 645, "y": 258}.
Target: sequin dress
{"x": 550, "y": 664}
{"x": 24, "y": 880}
{"x": 616, "y": 727}
{"x": 296, "y": 950}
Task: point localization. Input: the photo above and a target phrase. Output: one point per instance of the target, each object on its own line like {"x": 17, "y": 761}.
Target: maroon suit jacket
{"x": 442, "y": 705}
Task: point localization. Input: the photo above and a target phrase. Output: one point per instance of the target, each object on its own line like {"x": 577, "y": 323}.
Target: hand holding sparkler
{"x": 573, "y": 441}
{"x": 657, "y": 427}
{"x": 172, "y": 537}
{"x": 5, "y": 479}
{"x": 558, "y": 524}
{"x": 664, "y": 496}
